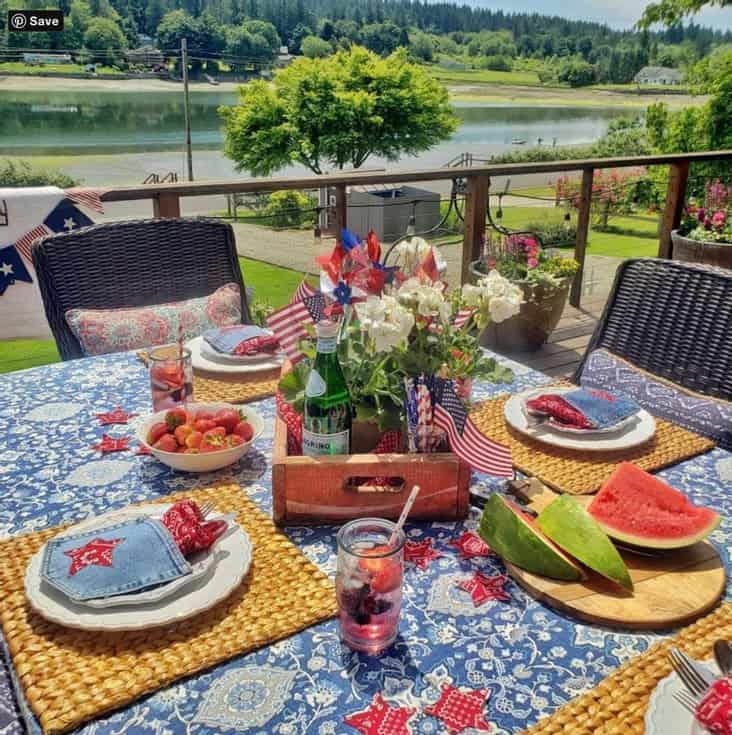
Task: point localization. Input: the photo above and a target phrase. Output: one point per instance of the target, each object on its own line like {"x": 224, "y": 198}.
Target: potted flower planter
{"x": 695, "y": 251}
{"x": 530, "y": 328}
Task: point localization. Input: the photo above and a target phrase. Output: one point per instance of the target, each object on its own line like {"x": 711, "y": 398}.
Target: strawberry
{"x": 203, "y": 415}
{"x": 193, "y": 440}
{"x": 213, "y": 440}
{"x": 204, "y": 425}
{"x": 166, "y": 443}
{"x": 386, "y": 572}
{"x": 182, "y": 432}
{"x": 234, "y": 440}
{"x": 244, "y": 430}
{"x": 156, "y": 431}
{"x": 191, "y": 450}
{"x": 228, "y": 418}
{"x": 175, "y": 417}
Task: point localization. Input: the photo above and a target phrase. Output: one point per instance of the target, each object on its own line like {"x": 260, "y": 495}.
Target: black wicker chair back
{"x": 671, "y": 319}
{"x": 131, "y": 264}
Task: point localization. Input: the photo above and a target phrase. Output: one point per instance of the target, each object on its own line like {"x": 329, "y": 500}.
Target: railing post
{"x": 476, "y": 209}
{"x": 166, "y": 205}
{"x": 341, "y": 209}
{"x": 677, "y": 180}
{"x": 583, "y": 228}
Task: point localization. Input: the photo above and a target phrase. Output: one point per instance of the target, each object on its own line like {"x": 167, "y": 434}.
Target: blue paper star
{"x": 343, "y": 293}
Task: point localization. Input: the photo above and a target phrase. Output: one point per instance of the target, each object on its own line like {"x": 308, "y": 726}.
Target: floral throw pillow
{"x": 101, "y": 331}
{"x": 711, "y": 417}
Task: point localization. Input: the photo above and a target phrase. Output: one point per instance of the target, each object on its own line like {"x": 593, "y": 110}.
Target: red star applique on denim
{"x": 459, "y": 710}
{"x": 483, "y": 588}
{"x": 470, "y": 544}
{"x": 420, "y": 553}
{"x": 97, "y": 552}
{"x": 143, "y": 450}
{"x": 110, "y": 444}
{"x": 379, "y": 718}
{"x": 118, "y": 416}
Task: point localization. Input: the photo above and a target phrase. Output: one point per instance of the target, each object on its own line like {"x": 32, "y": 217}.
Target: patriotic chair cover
{"x": 25, "y": 216}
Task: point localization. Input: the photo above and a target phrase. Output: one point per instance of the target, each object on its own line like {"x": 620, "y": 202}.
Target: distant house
{"x": 34, "y": 58}
{"x": 283, "y": 57}
{"x": 659, "y": 75}
{"x": 145, "y": 55}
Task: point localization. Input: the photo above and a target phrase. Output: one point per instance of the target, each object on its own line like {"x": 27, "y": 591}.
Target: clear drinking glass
{"x": 369, "y": 583}
{"x": 171, "y": 376}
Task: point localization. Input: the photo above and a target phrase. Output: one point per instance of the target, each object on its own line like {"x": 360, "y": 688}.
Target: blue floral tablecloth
{"x": 528, "y": 658}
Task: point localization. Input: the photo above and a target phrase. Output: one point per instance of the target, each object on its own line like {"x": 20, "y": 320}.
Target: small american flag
{"x": 303, "y": 291}
{"x": 24, "y": 243}
{"x": 289, "y": 322}
{"x": 87, "y": 197}
{"x": 462, "y": 318}
{"x": 474, "y": 448}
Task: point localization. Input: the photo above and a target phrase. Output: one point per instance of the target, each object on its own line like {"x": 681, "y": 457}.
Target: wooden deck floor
{"x": 561, "y": 355}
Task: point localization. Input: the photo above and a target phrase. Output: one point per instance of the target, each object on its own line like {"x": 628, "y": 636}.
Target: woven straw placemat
{"x": 617, "y": 705}
{"x": 71, "y": 676}
{"x": 580, "y": 473}
{"x": 208, "y": 389}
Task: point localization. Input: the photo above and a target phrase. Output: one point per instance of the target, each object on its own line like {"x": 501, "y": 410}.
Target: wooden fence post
{"x": 583, "y": 227}
{"x": 677, "y": 180}
{"x": 476, "y": 209}
{"x": 341, "y": 209}
{"x": 166, "y": 205}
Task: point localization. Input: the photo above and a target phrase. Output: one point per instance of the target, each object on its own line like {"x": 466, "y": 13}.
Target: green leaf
{"x": 292, "y": 385}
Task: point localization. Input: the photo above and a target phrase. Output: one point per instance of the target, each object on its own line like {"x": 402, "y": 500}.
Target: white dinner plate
{"x": 200, "y": 362}
{"x": 634, "y": 433}
{"x": 665, "y": 715}
{"x": 231, "y": 558}
{"x": 209, "y": 353}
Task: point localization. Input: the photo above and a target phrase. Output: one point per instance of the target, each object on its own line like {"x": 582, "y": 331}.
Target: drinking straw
{"x": 403, "y": 517}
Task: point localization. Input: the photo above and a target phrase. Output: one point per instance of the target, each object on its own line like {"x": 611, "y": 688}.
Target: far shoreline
{"x": 474, "y": 92}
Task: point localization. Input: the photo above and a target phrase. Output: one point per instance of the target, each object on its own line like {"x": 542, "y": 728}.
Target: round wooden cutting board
{"x": 670, "y": 589}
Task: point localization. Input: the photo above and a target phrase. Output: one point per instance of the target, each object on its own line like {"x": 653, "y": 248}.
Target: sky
{"x": 616, "y": 13}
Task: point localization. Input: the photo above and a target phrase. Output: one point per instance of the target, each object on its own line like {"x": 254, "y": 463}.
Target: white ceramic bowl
{"x": 210, "y": 460}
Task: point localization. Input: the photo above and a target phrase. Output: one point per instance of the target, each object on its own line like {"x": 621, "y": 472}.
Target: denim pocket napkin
{"x": 126, "y": 557}
{"x": 600, "y": 408}
{"x": 226, "y": 339}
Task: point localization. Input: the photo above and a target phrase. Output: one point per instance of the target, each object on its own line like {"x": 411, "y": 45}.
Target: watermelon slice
{"x": 514, "y": 536}
{"x": 639, "y": 509}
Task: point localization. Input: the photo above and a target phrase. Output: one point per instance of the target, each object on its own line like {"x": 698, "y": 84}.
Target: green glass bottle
{"x": 328, "y": 409}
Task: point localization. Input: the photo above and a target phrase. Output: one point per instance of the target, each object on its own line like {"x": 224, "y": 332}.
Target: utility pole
{"x": 186, "y": 105}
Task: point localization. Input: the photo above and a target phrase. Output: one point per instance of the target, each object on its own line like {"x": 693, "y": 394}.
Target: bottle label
{"x": 314, "y": 444}
{"x": 327, "y": 345}
{"x": 316, "y": 385}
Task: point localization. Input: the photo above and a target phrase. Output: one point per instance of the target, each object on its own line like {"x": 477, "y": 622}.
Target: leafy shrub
{"x": 290, "y": 209}
{"x": 496, "y": 63}
{"x": 22, "y": 174}
{"x": 554, "y": 234}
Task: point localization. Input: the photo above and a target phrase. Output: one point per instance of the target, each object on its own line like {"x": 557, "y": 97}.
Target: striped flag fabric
{"x": 462, "y": 318}
{"x": 23, "y": 244}
{"x": 303, "y": 291}
{"x": 289, "y": 323}
{"x": 473, "y": 447}
{"x": 87, "y": 197}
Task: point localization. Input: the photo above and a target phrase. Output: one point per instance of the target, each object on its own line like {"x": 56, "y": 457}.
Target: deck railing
{"x": 166, "y": 197}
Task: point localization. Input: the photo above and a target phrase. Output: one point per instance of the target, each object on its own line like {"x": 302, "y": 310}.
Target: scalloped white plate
{"x": 200, "y": 362}
{"x": 232, "y": 557}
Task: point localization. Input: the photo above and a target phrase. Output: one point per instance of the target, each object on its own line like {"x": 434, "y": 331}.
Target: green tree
{"x": 670, "y": 12}
{"x": 315, "y": 48}
{"x": 626, "y": 136}
{"x": 337, "y": 112}
{"x": 422, "y": 47}
{"x": 381, "y": 38}
{"x": 263, "y": 28}
{"x": 105, "y": 40}
{"x": 175, "y": 26}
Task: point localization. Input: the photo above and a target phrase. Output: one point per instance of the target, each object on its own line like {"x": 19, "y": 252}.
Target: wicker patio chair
{"x": 131, "y": 264}
{"x": 671, "y": 319}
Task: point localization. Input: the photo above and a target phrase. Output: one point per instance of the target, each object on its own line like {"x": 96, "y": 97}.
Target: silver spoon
{"x": 723, "y": 656}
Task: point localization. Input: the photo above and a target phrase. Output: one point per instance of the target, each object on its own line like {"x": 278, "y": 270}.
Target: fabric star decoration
{"x": 117, "y": 416}
{"x": 110, "y": 444}
{"x": 460, "y": 710}
{"x": 379, "y": 718}
{"x": 95, "y": 553}
{"x": 483, "y": 588}
{"x": 420, "y": 553}
{"x": 6, "y": 268}
{"x": 470, "y": 544}
{"x": 69, "y": 223}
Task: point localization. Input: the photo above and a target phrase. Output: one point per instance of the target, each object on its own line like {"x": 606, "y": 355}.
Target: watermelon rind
{"x": 517, "y": 540}
{"x": 573, "y": 529}
{"x": 630, "y": 496}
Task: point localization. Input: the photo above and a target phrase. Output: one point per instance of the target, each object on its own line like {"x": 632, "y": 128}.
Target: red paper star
{"x": 110, "y": 444}
{"x": 381, "y": 719}
{"x": 118, "y": 416}
{"x": 420, "y": 553}
{"x": 460, "y": 710}
{"x": 483, "y": 588}
{"x": 142, "y": 449}
{"x": 97, "y": 552}
{"x": 470, "y": 545}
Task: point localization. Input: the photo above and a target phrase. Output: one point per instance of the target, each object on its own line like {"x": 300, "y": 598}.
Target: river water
{"x": 119, "y": 138}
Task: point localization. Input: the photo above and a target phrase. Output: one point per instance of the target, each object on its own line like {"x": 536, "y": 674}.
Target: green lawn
{"x": 485, "y": 76}
{"x": 35, "y": 69}
{"x": 271, "y": 283}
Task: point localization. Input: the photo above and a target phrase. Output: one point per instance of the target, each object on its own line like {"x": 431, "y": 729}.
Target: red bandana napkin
{"x": 190, "y": 531}
{"x": 715, "y": 709}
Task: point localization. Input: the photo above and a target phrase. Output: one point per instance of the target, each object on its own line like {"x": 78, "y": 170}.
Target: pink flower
{"x": 719, "y": 219}
{"x": 532, "y": 262}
